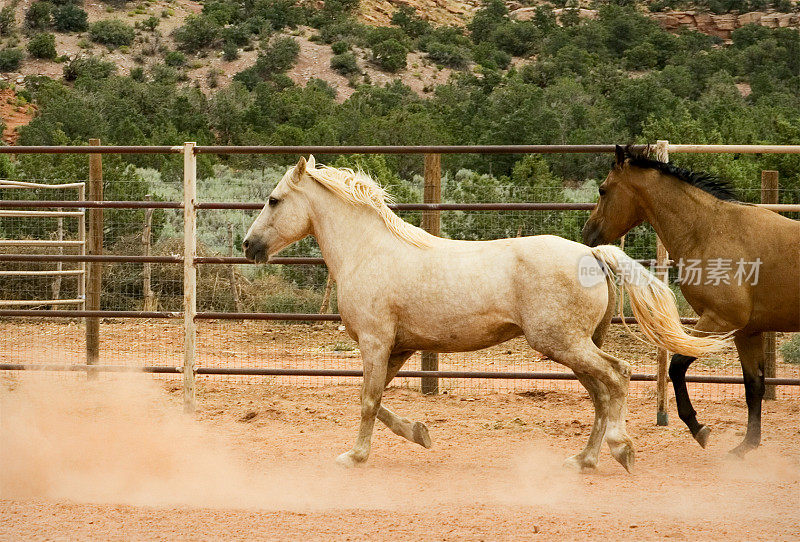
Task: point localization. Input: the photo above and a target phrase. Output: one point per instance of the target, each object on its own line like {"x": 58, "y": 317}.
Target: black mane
{"x": 719, "y": 188}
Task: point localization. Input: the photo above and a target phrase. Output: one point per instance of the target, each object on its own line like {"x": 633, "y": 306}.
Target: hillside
{"x": 209, "y": 68}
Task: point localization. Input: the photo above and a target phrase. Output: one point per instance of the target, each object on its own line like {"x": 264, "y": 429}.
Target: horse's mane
{"x": 719, "y": 188}
{"x": 358, "y": 188}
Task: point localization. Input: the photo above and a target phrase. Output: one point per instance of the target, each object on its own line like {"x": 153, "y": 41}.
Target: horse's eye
{"x": 602, "y": 191}
{"x": 273, "y": 202}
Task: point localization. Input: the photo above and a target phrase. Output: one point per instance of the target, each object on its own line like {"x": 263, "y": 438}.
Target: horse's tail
{"x": 653, "y": 305}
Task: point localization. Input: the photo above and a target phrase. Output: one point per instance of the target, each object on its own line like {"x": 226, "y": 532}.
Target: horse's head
{"x": 285, "y": 218}
{"x": 618, "y": 209}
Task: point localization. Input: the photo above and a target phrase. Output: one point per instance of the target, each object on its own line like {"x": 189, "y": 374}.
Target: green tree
{"x": 42, "y": 45}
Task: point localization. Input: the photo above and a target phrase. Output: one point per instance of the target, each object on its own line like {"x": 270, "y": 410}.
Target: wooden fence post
{"x": 431, "y": 222}
{"x": 237, "y": 303}
{"x": 149, "y": 303}
{"x": 95, "y": 279}
{"x": 189, "y": 274}
{"x": 59, "y": 265}
{"x": 82, "y": 239}
{"x": 769, "y": 194}
{"x": 662, "y": 271}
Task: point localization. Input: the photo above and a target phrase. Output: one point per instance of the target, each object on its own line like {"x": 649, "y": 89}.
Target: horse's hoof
{"x": 579, "y": 463}
{"x": 347, "y": 460}
{"x": 702, "y": 435}
{"x": 740, "y": 451}
{"x": 420, "y": 435}
{"x": 625, "y": 455}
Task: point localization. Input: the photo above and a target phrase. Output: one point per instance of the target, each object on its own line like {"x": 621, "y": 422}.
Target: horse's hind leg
{"x": 686, "y": 412}
{"x": 416, "y": 432}
{"x": 751, "y": 356}
{"x": 587, "y": 458}
{"x": 677, "y": 373}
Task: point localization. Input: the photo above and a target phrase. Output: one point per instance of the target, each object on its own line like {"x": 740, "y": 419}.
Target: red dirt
{"x": 114, "y": 459}
{"x": 13, "y": 115}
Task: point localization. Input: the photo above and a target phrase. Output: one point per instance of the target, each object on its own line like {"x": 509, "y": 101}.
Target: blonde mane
{"x": 358, "y": 188}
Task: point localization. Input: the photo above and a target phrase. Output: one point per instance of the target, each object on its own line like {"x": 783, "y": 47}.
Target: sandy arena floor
{"x": 115, "y": 460}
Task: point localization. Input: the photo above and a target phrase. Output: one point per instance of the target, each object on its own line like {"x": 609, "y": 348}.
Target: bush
{"x": 150, "y": 23}
{"x": 42, "y": 46}
{"x": 340, "y": 47}
{"x": 39, "y": 16}
{"x": 230, "y": 51}
{"x": 8, "y": 21}
{"x": 174, "y": 59}
{"x": 278, "y": 56}
{"x": 790, "y": 350}
{"x": 197, "y": 33}
{"x": 489, "y": 56}
{"x": 345, "y": 63}
{"x": 10, "y": 59}
{"x": 89, "y": 67}
{"x": 448, "y": 55}
{"x": 70, "y": 18}
{"x": 112, "y": 33}
{"x": 406, "y": 18}
{"x": 390, "y": 55}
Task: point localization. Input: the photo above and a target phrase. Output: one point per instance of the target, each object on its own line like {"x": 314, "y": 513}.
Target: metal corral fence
{"x": 91, "y": 253}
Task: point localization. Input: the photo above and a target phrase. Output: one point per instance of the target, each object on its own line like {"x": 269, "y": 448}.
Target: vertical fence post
{"x": 189, "y": 274}
{"x": 662, "y": 271}
{"x": 59, "y": 265}
{"x": 82, "y": 239}
{"x": 237, "y": 303}
{"x": 95, "y": 279}
{"x": 769, "y": 194}
{"x": 431, "y": 222}
{"x": 149, "y": 303}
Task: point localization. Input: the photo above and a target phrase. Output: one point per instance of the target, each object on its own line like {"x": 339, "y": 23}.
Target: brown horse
{"x": 739, "y": 264}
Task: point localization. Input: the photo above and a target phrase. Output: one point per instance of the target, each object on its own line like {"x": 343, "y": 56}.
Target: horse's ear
{"x": 619, "y": 153}
{"x": 300, "y": 168}
{"x": 311, "y": 162}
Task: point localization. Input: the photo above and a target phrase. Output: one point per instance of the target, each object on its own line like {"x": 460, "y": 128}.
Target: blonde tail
{"x": 653, "y": 305}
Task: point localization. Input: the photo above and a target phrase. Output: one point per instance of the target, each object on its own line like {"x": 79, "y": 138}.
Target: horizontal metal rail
{"x": 255, "y": 206}
{"x": 706, "y": 379}
{"x": 46, "y": 273}
{"x": 38, "y": 243}
{"x": 32, "y": 313}
{"x": 5, "y": 183}
{"x": 92, "y": 149}
{"x": 386, "y": 149}
{"x": 28, "y": 302}
{"x": 42, "y": 214}
{"x": 210, "y": 315}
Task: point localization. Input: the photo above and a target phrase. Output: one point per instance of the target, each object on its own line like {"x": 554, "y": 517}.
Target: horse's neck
{"x": 348, "y": 234}
{"x": 682, "y": 215}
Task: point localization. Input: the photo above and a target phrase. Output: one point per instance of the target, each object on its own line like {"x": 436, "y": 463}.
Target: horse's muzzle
{"x": 255, "y": 251}
{"x": 591, "y": 235}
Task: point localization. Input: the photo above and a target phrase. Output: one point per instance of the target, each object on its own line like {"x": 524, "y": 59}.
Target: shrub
{"x": 10, "y": 59}
{"x": 489, "y": 56}
{"x": 39, "y": 16}
{"x": 89, "y": 67}
{"x": 7, "y": 20}
{"x": 70, "y": 18}
{"x": 340, "y": 47}
{"x": 230, "y": 51}
{"x": 150, "y": 23}
{"x": 790, "y": 350}
{"x": 42, "y": 46}
{"x": 406, "y": 18}
{"x": 345, "y": 63}
{"x": 112, "y": 33}
{"x": 278, "y": 56}
{"x": 390, "y": 55}
{"x": 174, "y": 59}
{"x": 197, "y": 33}
{"x": 448, "y": 55}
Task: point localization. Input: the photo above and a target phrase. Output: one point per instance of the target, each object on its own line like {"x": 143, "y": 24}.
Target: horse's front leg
{"x": 375, "y": 354}
{"x": 415, "y": 432}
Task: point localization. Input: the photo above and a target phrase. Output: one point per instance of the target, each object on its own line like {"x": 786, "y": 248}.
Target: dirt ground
{"x": 115, "y": 459}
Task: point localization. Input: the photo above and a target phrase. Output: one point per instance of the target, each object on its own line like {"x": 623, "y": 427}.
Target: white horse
{"x": 401, "y": 289}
